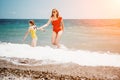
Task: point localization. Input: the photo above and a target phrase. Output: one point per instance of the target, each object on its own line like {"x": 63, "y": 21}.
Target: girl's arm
{"x": 41, "y": 28}
{"x": 26, "y": 34}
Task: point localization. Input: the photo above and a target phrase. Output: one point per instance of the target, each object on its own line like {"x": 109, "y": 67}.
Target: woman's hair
{"x": 32, "y": 22}
{"x": 56, "y": 14}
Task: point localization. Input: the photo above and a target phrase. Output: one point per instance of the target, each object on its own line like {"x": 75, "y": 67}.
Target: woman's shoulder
{"x": 60, "y": 17}
{"x": 50, "y": 18}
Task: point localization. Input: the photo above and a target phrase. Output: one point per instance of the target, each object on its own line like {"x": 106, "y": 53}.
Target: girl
{"x": 32, "y": 29}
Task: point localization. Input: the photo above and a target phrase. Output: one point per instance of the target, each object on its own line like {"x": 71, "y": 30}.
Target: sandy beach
{"x": 30, "y": 69}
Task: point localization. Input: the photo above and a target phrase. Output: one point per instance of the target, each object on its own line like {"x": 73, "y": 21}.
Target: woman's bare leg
{"x": 58, "y": 38}
{"x": 54, "y": 37}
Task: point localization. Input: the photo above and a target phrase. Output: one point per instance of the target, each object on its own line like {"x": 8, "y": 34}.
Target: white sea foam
{"x": 62, "y": 55}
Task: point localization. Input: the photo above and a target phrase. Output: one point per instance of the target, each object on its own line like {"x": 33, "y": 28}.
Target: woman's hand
{"x": 41, "y": 29}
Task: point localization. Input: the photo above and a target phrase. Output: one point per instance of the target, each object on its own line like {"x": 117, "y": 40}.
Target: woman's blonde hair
{"x": 56, "y": 14}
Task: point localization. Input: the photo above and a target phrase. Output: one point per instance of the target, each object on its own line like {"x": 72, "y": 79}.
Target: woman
{"x": 58, "y": 27}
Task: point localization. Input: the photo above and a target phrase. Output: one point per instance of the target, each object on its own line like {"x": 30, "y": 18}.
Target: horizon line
{"x": 63, "y": 18}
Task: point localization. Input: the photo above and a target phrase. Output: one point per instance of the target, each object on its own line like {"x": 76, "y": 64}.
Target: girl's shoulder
{"x": 30, "y": 27}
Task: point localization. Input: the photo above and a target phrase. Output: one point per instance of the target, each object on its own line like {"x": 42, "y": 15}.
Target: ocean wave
{"x": 62, "y": 55}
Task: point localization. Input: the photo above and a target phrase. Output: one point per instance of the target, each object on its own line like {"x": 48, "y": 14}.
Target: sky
{"x": 68, "y": 9}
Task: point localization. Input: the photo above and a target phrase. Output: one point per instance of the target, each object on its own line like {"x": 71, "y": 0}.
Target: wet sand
{"x": 30, "y": 69}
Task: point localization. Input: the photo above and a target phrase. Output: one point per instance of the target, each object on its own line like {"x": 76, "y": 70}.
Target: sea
{"x": 86, "y": 34}
{"x": 83, "y": 41}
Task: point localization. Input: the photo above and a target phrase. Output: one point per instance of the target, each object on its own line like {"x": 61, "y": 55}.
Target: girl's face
{"x": 30, "y": 24}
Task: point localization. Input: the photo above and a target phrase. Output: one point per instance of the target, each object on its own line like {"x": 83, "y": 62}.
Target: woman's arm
{"x": 62, "y": 24}
{"x": 41, "y": 28}
{"x": 26, "y": 34}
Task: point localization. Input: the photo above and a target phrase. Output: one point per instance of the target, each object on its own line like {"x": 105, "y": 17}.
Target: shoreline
{"x": 68, "y": 71}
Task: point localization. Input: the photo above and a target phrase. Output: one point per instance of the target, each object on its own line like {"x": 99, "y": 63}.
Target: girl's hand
{"x": 23, "y": 40}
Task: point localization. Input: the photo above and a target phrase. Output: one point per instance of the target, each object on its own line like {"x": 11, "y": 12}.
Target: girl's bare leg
{"x": 34, "y": 42}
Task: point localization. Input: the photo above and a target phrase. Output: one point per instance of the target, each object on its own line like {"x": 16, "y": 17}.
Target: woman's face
{"x": 54, "y": 12}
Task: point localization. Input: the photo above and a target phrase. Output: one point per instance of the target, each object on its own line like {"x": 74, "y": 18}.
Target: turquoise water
{"x": 13, "y": 30}
{"x": 93, "y": 35}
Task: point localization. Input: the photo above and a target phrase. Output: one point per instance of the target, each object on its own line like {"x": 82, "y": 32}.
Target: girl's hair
{"x": 56, "y": 14}
{"x": 32, "y": 22}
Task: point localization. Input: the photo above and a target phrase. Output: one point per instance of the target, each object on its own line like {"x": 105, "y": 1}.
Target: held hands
{"x": 41, "y": 29}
